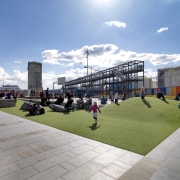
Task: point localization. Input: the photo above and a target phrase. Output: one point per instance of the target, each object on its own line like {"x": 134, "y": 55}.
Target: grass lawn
{"x": 134, "y": 124}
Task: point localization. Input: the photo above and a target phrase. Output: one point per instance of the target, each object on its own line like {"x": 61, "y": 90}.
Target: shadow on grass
{"x": 27, "y": 115}
{"x": 146, "y": 103}
{"x": 164, "y": 100}
{"x": 94, "y": 126}
{"x": 53, "y": 110}
{"x": 66, "y": 112}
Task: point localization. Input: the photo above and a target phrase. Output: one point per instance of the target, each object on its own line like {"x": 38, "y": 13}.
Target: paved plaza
{"x": 33, "y": 151}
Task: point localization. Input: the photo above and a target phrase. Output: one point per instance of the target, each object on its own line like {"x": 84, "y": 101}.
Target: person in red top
{"x": 94, "y": 108}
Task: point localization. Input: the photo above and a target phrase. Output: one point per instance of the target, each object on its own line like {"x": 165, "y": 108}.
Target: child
{"x": 94, "y": 108}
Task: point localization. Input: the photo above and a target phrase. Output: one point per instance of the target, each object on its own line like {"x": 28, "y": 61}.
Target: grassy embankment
{"x": 134, "y": 125}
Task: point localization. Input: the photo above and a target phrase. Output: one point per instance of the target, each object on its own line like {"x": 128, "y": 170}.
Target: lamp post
{"x": 3, "y": 79}
{"x": 87, "y": 54}
{"x": 90, "y": 78}
{"x": 53, "y": 90}
{"x": 89, "y": 68}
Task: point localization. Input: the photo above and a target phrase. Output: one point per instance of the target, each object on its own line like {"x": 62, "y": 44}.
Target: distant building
{"x": 154, "y": 84}
{"x": 34, "y": 77}
{"x": 14, "y": 88}
{"x": 148, "y": 83}
{"x": 10, "y": 87}
{"x": 169, "y": 77}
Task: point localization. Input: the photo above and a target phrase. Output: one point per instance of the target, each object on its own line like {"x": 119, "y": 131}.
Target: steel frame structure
{"x": 122, "y": 78}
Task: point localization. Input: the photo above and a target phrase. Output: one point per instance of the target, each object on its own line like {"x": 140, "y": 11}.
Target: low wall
{"x": 7, "y": 103}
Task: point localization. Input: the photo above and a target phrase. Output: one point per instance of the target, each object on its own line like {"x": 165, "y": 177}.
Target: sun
{"x": 102, "y": 2}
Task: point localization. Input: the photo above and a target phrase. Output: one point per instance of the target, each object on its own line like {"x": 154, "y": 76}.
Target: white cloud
{"x": 106, "y": 55}
{"x": 162, "y": 29}
{"x": 16, "y": 78}
{"x": 21, "y": 76}
{"x": 18, "y": 62}
{"x": 51, "y": 56}
{"x": 77, "y": 56}
{"x": 117, "y": 24}
{"x": 150, "y": 73}
{"x": 49, "y": 77}
{"x": 160, "y": 59}
{"x": 100, "y": 57}
{"x": 2, "y": 71}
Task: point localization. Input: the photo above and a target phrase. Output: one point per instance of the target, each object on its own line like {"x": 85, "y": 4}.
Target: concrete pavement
{"x": 162, "y": 163}
{"x": 33, "y": 151}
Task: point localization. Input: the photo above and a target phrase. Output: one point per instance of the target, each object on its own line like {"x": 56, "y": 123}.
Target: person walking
{"x": 94, "y": 108}
{"x": 142, "y": 93}
{"x": 116, "y": 97}
{"x": 47, "y": 94}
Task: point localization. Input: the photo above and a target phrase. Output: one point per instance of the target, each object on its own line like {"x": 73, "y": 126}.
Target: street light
{"x": 87, "y": 54}
{"x": 3, "y": 79}
{"x": 53, "y": 90}
{"x": 90, "y": 78}
{"x": 90, "y": 68}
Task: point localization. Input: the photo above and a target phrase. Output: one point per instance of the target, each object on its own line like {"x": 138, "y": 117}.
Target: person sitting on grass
{"x": 59, "y": 100}
{"x": 40, "y": 109}
{"x": 177, "y": 97}
{"x": 36, "y": 109}
{"x": 179, "y": 105}
{"x": 68, "y": 105}
{"x": 80, "y": 103}
{"x": 160, "y": 95}
{"x": 103, "y": 100}
{"x": 32, "y": 109}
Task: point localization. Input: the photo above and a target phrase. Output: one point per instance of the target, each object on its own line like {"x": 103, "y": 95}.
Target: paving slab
{"x": 33, "y": 151}
{"x": 162, "y": 163}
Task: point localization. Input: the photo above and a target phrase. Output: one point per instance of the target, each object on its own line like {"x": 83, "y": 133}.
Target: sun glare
{"x": 102, "y": 2}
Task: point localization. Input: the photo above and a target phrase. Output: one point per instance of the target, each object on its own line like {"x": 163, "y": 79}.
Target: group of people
{"x": 159, "y": 95}
{"x": 8, "y": 94}
{"x": 81, "y": 104}
{"x": 35, "y": 108}
{"x": 84, "y": 103}
{"x": 59, "y": 100}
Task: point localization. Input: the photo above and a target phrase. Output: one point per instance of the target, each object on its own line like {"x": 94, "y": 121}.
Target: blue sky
{"x": 58, "y": 33}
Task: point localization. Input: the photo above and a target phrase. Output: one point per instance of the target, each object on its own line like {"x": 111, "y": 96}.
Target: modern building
{"x": 10, "y": 87}
{"x": 34, "y": 78}
{"x": 169, "y": 77}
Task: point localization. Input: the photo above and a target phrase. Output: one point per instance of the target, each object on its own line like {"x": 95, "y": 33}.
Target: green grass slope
{"x": 134, "y": 124}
